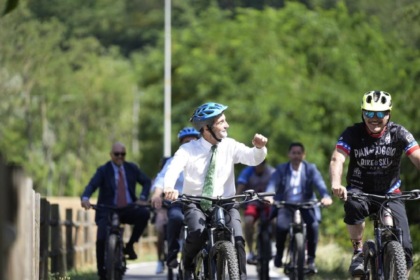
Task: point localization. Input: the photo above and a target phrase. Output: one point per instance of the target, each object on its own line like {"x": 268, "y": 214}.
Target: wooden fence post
{"x": 89, "y": 241}
{"x": 78, "y": 240}
{"x": 37, "y": 234}
{"x": 20, "y": 258}
{"x": 8, "y": 217}
{"x": 69, "y": 239}
{"x": 58, "y": 265}
{"x": 44, "y": 241}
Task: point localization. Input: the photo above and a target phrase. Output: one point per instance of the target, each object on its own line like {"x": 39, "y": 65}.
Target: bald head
{"x": 118, "y": 153}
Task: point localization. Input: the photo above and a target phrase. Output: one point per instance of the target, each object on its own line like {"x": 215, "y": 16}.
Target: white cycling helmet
{"x": 377, "y": 101}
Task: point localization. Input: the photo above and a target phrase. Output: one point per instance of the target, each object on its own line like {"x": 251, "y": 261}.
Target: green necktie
{"x": 209, "y": 180}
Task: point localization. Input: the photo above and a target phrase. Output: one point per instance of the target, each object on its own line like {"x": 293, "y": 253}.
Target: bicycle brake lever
{"x": 415, "y": 194}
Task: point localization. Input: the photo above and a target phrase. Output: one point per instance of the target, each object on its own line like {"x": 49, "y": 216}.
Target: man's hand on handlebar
{"x": 86, "y": 204}
{"x": 326, "y": 201}
{"x": 170, "y": 194}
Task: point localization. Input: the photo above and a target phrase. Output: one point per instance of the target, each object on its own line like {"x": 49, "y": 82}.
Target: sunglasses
{"x": 379, "y": 115}
{"x": 119, "y": 154}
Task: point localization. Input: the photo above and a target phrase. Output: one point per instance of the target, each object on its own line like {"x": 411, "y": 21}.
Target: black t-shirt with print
{"x": 374, "y": 165}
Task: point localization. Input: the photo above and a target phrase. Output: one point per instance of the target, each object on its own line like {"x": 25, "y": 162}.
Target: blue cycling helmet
{"x": 205, "y": 114}
{"x": 188, "y": 131}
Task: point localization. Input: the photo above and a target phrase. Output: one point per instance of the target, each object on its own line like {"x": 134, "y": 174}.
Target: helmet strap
{"x": 212, "y": 133}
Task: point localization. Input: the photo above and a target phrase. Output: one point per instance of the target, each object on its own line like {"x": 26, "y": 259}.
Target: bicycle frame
{"x": 115, "y": 262}
{"x": 114, "y": 255}
{"x": 387, "y": 243}
{"x": 263, "y": 244}
{"x": 219, "y": 252}
{"x": 296, "y": 252}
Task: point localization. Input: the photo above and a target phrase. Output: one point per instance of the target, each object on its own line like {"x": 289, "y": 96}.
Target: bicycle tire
{"x": 113, "y": 258}
{"x": 226, "y": 261}
{"x": 369, "y": 259}
{"x": 264, "y": 255}
{"x": 170, "y": 274}
{"x": 298, "y": 257}
{"x": 394, "y": 258}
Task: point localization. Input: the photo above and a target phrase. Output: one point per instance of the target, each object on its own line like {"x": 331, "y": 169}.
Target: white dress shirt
{"x": 158, "y": 182}
{"x": 194, "y": 157}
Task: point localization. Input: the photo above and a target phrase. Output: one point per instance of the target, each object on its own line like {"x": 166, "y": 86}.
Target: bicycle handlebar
{"x": 301, "y": 205}
{"x": 247, "y": 196}
{"x": 113, "y": 207}
{"x": 406, "y": 195}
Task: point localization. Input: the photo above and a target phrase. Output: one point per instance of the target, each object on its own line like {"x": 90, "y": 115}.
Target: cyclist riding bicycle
{"x": 375, "y": 147}
{"x": 294, "y": 181}
{"x": 216, "y": 152}
{"x": 175, "y": 217}
{"x": 116, "y": 181}
{"x": 255, "y": 178}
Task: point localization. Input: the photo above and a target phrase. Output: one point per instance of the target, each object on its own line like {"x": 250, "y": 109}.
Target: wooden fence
{"x": 40, "y": 237}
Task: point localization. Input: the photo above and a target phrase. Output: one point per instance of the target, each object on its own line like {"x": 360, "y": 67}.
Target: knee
{"x": 143, "y": 214}
{"x": 313, "y": 228}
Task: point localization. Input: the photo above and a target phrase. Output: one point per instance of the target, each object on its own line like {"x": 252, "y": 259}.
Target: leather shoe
{"x": 311, "y": 268}
{"x": 277, "y": 261}
{"x": 129, "y": 250}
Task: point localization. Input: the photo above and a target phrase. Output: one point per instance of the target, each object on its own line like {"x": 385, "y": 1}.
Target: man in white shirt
{"x": 193, "y": 159}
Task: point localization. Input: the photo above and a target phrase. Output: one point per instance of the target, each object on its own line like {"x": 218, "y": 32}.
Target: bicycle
{"x": 296, "y": 249}
{"x": 218, "y": 258}
{"x": 264, "y": 252}
{"x": 115, "y": 261}
{"x": 386, "y": 247}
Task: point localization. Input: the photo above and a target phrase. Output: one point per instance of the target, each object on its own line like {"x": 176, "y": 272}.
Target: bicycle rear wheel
{"x": 369, "y": 254}
{"x": 298, "y": 257}
{"x": 113, "y": 260}
{"x": 226, "y": 261}
{"x": 394, "y": 259}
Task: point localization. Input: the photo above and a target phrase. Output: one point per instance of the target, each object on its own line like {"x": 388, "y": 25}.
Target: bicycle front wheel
{"x": 298, "y": 257}
{"x": 264, "y": 255}
{"x": 226, "y": 261}
{"x": 170, "y": 275}
{"x": 369, "y": 255}
{"x": 113, "y": 259}
{"x": 394, "y": 259}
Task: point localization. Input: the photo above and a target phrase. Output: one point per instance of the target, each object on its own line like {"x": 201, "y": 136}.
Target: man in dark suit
{"x": 116, "y": 181}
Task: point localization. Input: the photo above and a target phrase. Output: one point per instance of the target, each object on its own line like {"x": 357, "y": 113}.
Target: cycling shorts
{"x": 254, "y": 210}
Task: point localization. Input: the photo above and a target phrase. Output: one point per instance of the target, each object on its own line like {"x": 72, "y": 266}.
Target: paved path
{"x": 146, "y": 270}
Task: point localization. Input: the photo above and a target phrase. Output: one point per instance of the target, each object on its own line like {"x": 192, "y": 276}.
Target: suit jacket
{"x": 310, "y": 178}
{"x": 104, "y": 180}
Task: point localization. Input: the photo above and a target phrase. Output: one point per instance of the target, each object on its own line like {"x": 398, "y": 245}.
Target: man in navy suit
{"x": 116, "y": 181}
